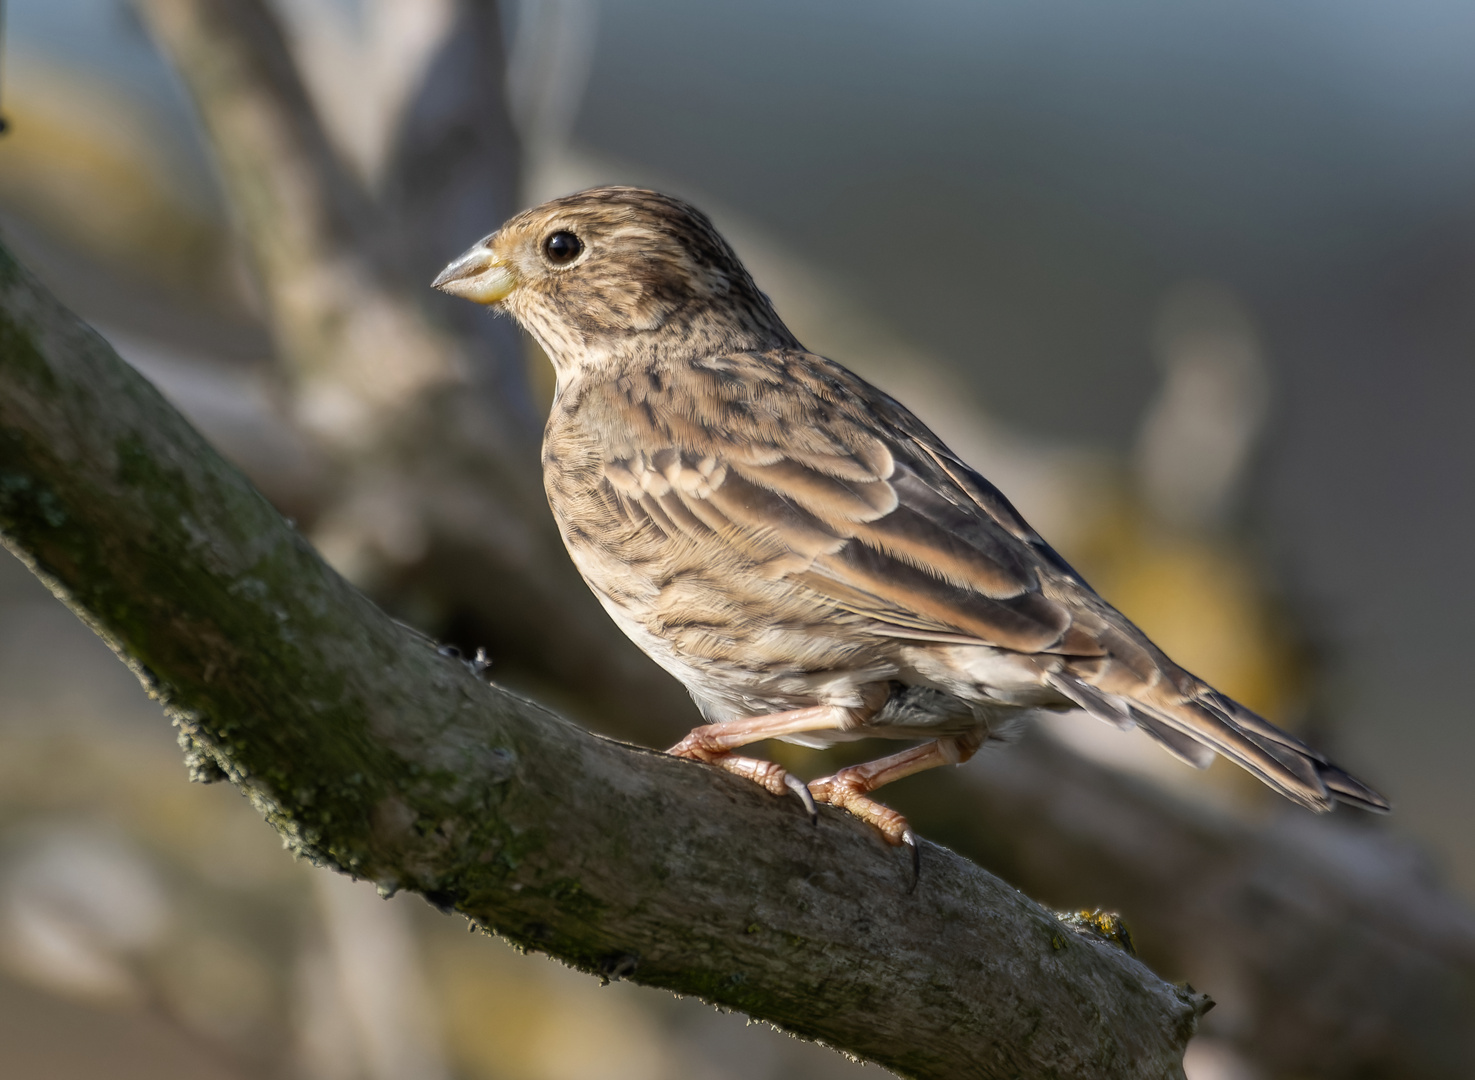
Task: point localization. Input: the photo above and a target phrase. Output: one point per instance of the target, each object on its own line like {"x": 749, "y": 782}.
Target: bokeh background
{"x": 1194, "y": 284}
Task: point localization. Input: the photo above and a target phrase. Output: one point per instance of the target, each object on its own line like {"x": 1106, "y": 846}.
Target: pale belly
{"x": 926, "y": 692}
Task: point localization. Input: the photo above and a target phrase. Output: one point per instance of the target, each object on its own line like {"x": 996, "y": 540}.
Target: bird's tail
{"x": 1197, "y": 725}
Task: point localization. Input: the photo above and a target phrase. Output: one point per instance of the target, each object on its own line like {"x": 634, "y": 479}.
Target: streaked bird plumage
{"x": 794, "y": 545}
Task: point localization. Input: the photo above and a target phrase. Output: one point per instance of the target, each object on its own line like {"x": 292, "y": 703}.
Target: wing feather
{"x": 862, "y": 517}
{"x": 813, "y": 479}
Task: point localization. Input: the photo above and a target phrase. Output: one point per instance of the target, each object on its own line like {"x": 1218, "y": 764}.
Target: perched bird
{"x": 794, "y": 545}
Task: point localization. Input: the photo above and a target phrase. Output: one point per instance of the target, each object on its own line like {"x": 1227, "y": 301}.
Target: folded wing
{"x": 853, "y": 499}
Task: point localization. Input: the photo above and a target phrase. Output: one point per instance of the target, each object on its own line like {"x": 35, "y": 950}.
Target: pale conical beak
{"x": 477, "y": 276}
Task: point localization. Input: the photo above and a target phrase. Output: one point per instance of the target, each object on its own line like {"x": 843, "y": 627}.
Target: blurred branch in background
{"x": 422, "y": 412}
{"x": 1332, "y": 954}
{"x": 377, "y": 754}
{"x": 1196, "y": 442}
{"x": 370, "y": 1009}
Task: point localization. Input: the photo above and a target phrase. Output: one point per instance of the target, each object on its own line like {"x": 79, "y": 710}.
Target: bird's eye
{"x": 562, "y": 248}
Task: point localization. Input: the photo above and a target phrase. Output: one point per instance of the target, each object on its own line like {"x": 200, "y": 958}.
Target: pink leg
{"x": 850, "y": 787}
{"x": 710, "y": 740}
{"x": 713, "y": 744}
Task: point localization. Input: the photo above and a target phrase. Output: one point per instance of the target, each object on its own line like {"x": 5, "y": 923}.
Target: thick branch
{"x": 301, "y": 211}
{"x": 376, "y": 754}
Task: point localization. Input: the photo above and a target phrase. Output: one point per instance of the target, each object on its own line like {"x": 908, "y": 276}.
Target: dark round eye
{"x": 562, "y": 248}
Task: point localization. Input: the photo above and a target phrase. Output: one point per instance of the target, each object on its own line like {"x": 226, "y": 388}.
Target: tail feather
{"x": 1113, "y": 709}
{"x": 1346, "y": 788}
{"x": 1253, "y": 723}
{"x": 1195, "y": 728}
{"x": 1185, "y": 748}
{"x": 1294, "y": 776}
{"x": 1343, "y": 786}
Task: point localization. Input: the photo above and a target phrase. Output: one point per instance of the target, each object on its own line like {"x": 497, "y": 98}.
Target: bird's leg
{"x": 713, "y": 744}
{"x": 710, "y": 741}
{"x": 850, "y": 787}
{"x": 771, "y": 775}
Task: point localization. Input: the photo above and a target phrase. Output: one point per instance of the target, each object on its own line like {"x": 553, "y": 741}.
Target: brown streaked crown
{"x": 652, "y": 274}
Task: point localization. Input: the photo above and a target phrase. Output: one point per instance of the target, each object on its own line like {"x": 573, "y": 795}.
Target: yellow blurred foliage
{"x": 90, "y": 167}
{"x": 1206, "y": 603}
{"x": 512, "y": 1017}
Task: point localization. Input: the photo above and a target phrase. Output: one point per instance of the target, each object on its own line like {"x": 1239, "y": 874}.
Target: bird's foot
{"x": 767, "y": 774}
{"x": 909, "y": 838}
{"x": 801, "y": 791}
{"x": 850, "y": 794}
{"x": 703, "y": 744}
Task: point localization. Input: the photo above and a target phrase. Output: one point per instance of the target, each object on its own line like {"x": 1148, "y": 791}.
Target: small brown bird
{"x": 794, "y": 545}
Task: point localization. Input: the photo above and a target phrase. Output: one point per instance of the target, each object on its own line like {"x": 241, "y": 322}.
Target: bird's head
{"x": 617, "y": 273}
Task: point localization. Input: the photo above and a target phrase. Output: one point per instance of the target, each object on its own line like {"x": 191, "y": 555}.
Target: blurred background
{"x": 1193, "y": 284}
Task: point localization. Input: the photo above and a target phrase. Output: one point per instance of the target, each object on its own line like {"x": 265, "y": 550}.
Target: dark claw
{"x": 910, "y": 840}
{"x": 801, "y": 789}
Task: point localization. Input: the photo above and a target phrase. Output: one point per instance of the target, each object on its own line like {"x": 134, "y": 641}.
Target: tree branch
{"x": 374, "y": 753}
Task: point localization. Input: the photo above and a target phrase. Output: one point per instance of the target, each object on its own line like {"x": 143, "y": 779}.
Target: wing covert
{"x": 863, "y": 515}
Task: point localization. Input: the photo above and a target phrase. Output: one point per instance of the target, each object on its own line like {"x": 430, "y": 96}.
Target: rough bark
{"x": 374, "y": 753}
